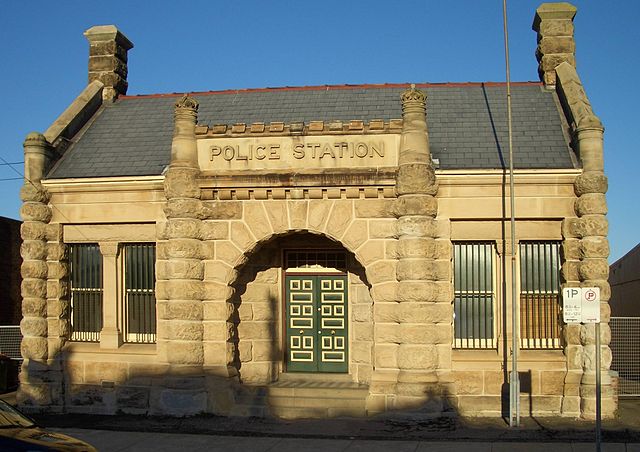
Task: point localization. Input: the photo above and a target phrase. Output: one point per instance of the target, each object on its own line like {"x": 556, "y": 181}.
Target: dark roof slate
{"x": 467, "y": 125}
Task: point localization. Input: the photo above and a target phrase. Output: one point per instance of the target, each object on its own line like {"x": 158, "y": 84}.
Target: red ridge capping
{"x": 331, "y": 88}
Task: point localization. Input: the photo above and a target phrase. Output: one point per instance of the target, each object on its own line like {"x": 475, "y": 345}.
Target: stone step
{"x": 308, "y": 412}
{"x": 300, "y": 397}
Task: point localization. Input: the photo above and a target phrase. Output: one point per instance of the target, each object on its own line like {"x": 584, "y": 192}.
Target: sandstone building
{"x": 316, "y": 251}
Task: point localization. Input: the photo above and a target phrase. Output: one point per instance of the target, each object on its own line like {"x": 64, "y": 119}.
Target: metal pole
{"x": 598, "y": 391}
{"x": 514, "y": 380}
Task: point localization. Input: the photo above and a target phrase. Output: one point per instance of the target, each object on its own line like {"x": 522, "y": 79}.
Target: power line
{"x": 10, "y": 178}
{"x": 10, "y": 163}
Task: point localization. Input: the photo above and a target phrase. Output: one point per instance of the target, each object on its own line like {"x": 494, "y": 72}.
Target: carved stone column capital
{"x": 109, "y": 249}
{"x": 414, "y": 101}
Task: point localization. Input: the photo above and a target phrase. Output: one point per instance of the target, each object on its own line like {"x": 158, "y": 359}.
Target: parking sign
{"x": 581, "y": 305}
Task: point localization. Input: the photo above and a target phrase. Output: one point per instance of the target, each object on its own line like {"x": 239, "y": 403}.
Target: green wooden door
{"x": 316, "y": 316}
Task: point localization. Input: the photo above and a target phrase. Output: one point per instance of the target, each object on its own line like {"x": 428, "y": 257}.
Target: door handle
{"x": 301, "y": 331}
{"x": 333, "y": 331}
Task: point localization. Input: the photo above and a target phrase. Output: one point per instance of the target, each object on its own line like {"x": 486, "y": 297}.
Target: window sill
{"x": 124, "y": 349}
{"x": 542, "y": 355}
{"x": 475, "y": 355}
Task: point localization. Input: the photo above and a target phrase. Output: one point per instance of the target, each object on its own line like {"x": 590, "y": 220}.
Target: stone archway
{"x": 256, "y": 331}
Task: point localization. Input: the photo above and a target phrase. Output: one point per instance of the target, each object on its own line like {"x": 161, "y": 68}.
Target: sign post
{"x": 582, "y": 305}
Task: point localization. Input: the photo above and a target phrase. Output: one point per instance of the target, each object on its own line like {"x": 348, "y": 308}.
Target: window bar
{"x": 546, "y": 247}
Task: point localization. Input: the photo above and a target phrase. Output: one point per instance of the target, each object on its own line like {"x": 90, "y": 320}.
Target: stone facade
{"x": 235, "y": 199}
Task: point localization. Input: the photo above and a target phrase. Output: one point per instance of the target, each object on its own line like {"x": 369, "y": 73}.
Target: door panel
{"x": 316, "y": 316}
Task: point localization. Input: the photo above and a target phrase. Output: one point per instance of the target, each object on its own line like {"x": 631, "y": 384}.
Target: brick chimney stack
{"x": 554, "y": 24}
{"x": 108, "y": 49}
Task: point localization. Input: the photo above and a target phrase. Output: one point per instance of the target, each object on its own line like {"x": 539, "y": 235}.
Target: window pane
{"x": 140, "y": 300}
{"x": 540, "y": 294}
{"x": 85, "y": 279}
{"x": 474, "y": 297}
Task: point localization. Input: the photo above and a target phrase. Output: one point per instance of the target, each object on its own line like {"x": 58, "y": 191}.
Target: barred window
{"x": 474, "y": 296}
{"x": 139, "y": 298}
{"x": 540, "y": 294}
{"x": 85, "y": 278}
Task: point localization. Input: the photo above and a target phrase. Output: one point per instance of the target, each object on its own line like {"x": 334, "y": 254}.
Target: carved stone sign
{"x": 303, "y": 152}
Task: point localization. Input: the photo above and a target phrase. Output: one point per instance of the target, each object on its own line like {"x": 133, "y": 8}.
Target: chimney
{"x": 554, "y": 24}
{"x": 108, "y": 49}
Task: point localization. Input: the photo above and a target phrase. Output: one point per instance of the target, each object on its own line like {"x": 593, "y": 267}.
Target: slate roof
{"x": 467, "y": 124}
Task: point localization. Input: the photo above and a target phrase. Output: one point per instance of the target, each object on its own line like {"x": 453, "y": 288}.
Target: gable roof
{"x": 467, "y": 124}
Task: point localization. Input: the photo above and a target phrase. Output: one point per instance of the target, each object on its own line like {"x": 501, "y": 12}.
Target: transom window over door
{"x": 474, "y": 296}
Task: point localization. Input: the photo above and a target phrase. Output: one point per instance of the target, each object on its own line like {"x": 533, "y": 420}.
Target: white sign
{"x": 572, "y": 304}
{"x": 581, "y": 305}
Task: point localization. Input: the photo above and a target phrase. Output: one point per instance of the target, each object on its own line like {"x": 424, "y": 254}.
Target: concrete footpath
{"x": 216, "y": 433}
{"x": 109, "y": 441}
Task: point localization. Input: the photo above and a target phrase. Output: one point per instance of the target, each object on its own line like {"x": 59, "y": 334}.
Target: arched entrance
{"x": 293, "y": 301}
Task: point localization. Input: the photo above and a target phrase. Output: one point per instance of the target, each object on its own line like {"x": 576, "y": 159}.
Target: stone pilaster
{"x": 586, "y": 247}
{"x": 423, "y": 272}
{"x": 554, "y": 24}
{"x": 110, "y": 335}
{"x": 40, "y": 384}
{"x": 108, "y": 49}
{"x": 180, "y": 272}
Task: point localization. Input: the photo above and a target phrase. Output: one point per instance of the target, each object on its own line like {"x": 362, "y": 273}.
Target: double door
{"x": 316, "y": 323}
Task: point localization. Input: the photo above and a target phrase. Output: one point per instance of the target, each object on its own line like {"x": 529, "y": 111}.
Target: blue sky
{"x": 212, "y": 45}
